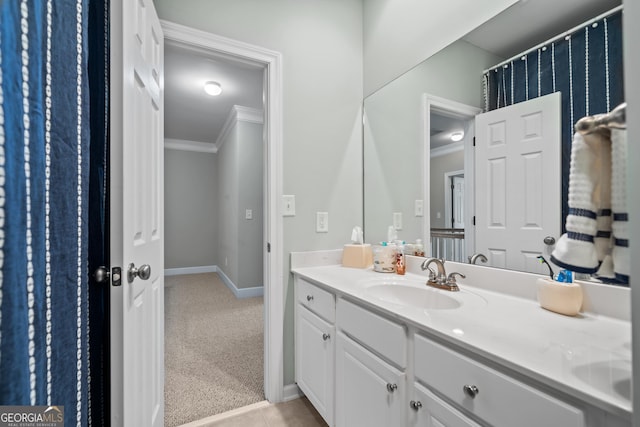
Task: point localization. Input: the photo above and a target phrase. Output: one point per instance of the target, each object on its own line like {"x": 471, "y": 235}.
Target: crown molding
{"x": 237, "y": 114}
{"x": 447, "y": 149}
{"x": 195, "y": 146}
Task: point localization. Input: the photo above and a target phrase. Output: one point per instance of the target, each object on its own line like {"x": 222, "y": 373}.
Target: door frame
{"x": 273, "y": 225}
{"x": 460, "y": 111}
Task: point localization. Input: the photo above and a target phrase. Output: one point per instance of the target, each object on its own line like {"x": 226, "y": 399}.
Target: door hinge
{"x": 268, "y": 247}
{"x": 473, "y": 221}
{"x": 474, "y": 141}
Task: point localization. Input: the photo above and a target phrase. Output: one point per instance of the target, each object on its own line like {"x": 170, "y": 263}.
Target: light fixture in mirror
{"x": 457, "y": 136}
{"x": 213, "y": 88}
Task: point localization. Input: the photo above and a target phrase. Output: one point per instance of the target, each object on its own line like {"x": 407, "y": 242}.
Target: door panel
{"x": 137, "y": 219}
{"x": 518, "y": 182}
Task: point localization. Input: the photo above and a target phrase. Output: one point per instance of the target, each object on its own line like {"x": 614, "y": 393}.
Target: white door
{"x": 457, "y": 201}
{"x": 518, "y": 182}
{"x": 137, "y": 200}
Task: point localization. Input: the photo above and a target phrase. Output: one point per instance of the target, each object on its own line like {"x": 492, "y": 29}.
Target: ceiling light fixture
{"x": 457, "y": 136}
{"x": 213, "y": 88}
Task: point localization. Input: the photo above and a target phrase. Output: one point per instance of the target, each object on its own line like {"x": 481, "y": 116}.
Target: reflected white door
{"x": 137, "y": 231}
{"x": 457, "y": 201}
{"x": 518, "y": 182}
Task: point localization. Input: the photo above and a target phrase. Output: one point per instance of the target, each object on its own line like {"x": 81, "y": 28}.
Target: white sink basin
{"x": 426, "y": 298}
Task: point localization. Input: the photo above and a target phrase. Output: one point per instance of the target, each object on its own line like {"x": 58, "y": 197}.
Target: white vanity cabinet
{"x": 369, "y": 391}
{"x": 491, "y": 396}
{"x": 428, "y": 410}
{"x": 364, "y": 365}
{"x": 370, "y": 369}
{"x": 315, "y": 348}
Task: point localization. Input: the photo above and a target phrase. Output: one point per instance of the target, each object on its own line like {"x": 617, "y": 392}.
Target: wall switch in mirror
{"x": 288, "y": 205}
{"x": 418, "y": 207}
{"x": 397, "y": 220}
{"x": 322, "y": 222}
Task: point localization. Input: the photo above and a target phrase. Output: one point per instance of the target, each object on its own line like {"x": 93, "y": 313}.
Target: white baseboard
{"x": 291, "y": 391}
{"x": 257, "y": 291}
{"x": 190, "y": 270}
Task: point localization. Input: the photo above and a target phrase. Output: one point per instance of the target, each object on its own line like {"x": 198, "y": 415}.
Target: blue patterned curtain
{"x": 586, "y": 66}
{"x": 44, "y": 206}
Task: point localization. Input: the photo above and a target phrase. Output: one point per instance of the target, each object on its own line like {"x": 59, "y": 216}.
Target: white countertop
{"x": 587, "y": 356}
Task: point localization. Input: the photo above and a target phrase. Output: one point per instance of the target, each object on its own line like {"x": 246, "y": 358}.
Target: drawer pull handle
{"x": 471, "y": 390}
{"x": 415, "y": 405}
{"x": 309, "y": 297}
{"x": 391, "y": 387}
{"x": 325, "y": 337}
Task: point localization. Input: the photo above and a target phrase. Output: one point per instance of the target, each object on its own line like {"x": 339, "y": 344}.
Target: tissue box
{"x": 357, "y": 256}
{"x": 563, "y": 298}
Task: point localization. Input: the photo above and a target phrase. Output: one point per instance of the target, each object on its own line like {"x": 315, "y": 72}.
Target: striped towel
{"x": 596, "y": 241}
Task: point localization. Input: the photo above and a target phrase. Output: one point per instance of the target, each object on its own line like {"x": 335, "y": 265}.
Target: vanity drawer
{"x": 500, "y": 400}
{"x": 316, "y": 299}
{"x": 387, "y": 338}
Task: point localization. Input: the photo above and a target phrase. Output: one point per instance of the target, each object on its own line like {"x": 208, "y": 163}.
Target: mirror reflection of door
{"x": 454, "y": 199}
{"x": 518, "y": 170}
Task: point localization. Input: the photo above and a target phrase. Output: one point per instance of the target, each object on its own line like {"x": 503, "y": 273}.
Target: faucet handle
{"x": 451, "y": 280}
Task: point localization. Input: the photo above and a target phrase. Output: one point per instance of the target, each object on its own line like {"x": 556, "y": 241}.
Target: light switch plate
{"x": 397, "y": 220}
{"x": 288, "y": 205}
{"x": 322, "y": 222}
{"x": 248, "y": 214}
{"x": 418, "y": 207}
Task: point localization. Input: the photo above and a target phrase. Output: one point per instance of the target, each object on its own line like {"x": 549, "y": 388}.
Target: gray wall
{"x": 190, "y": 209}
{"x": 239, "y": 181}
{"x": 228, "y": 185}
{"x": 250, "y": 179}
{"x": 398, "y": 34}
{"x": 394, "y": 140}
{"x": 439, "y": 166}
{"x": 321, "y": 44}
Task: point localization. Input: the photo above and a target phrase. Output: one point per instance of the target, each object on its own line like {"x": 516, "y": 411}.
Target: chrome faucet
{"x": 473, "y": 258}
{"x": 440, "y": 280}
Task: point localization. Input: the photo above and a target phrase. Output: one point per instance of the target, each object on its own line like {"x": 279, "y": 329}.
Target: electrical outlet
{"x": 322, "y": 222}
{"x": 418, "y": 207}
{"x": 248, "y": 214}
{"x": 397, "y": 220}
{"x": 288, "y": 205}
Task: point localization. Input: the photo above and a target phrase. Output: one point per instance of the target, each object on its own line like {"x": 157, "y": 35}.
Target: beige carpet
{"x": 213, "y": 348}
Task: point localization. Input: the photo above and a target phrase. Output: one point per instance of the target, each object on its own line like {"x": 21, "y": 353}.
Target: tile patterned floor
{"x": 295, "y": 413}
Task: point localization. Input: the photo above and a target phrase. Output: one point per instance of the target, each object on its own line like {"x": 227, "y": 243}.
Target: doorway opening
{"x": 449, "y": 177}
{"x": 250, "y": 204}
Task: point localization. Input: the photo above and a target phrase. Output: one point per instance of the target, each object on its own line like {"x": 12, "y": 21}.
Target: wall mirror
{"x": 419, "y": 159}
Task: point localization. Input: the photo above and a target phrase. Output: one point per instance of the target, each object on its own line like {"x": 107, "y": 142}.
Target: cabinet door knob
{"x": 470, "y": 390}
{"x": 309, "y": 297}
{"x": 415, "y": 404}
{"x": 391, "y": 387}
{"x": 326, "y": 336}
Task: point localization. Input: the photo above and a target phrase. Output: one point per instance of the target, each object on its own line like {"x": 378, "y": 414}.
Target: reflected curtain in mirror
{"x": 585, "y": 66}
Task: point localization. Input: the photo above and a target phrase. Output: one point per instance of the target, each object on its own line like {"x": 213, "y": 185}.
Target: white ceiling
{"x": 531, "y": 22}
{"x": 191, "y": 114}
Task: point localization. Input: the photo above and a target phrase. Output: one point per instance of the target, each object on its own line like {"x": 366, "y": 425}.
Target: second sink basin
{"x": 412, "y": 296}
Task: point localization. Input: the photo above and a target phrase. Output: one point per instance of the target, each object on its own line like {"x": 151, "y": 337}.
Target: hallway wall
{"x": 190, "y": 209}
